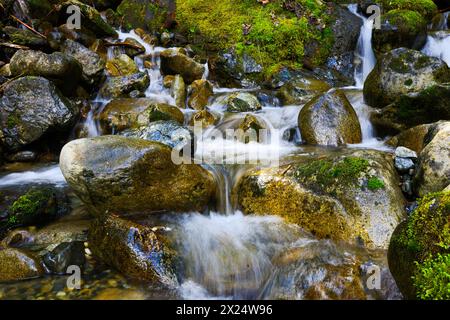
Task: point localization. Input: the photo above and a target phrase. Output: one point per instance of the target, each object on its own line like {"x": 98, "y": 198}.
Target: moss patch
{"x": 274, "y": 34}
{"x": 426, "y": 8}
{"x": 375, "y": 183}
{"x": 433, "y": 278}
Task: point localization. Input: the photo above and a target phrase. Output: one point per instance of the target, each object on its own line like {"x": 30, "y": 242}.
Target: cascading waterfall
{"x": 364, "y": 50}
{"x": 438, "y": 42}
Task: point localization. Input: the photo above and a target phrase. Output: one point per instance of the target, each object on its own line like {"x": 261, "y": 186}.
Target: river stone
{"x": 170, "y": 133}
{"x": 433, "y": 174}
{"x": 64, "y": 255}
{"x": 329, "y": 120}
{"x": 123, "y": 65}
{"x": 200, "y": 92}
{"x": 92, "y": 64}
{"x": 203, "y": 118}
{"x": 91, "y": 19}
{"x": 352, "y": 196}
{"x": 301, "y": 89}
{"x": 402, "y": 152}
{"x": 31, "y": 107}
{"x": 125, "y": 113}
{"x": 17, "y": 265}
{"x": 62, "y": 69}
{"x": 403, "y": 71}
{"x": 175, "y": 61}
{"x": 135, "y": 250}
{"x": 412, "y": 138}
{"x": 400, "y": 28}
{"x": 178, "y": 91}
{"x": 120, "y": 87}
{"x": 24, "y": 37}
{"x": 403, "y": 164}
{"x": 242, "y": 102}
{"x": 127, "y": 175}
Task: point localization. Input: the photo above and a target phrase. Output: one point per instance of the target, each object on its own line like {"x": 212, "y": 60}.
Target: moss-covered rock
{"x": 330, "y": 197}
{"x": 199, "y": 93}
{"x": 126, "y": 175}
{"x": 31, "y": 107}
{"x": 400, "y": 72}
{"x": 400, "y": 28}
{"x": 301, "y": 89}
{"x": 24, "y": 37}
{"x": 415, "y": 247}
{"x": 121, "y": 114}
{"x": 17, "y": 265}
{"x": 330, "y": 120}
{"x": 147, "y": 15}
{"x": 426, "y": 8}
{"x": 135, "y": 250}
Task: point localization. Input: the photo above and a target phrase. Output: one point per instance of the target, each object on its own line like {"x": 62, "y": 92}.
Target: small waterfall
{"x": 438, "y": 45}
{"x": 364, "y": 49}
{"x": 51, "y": 175}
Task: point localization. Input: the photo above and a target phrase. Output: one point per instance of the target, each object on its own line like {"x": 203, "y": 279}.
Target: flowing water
{"x": 438, "y": 42}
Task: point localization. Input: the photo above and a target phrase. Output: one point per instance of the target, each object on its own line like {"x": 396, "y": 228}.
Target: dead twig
{"x": 28, "y": 27}
{"x": 13, "y": 46}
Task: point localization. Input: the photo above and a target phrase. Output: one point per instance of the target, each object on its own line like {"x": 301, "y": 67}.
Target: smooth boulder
{"x": 175, "y": 61}
{"x": 329, "y": 120}
{"x": 126, "y": 175}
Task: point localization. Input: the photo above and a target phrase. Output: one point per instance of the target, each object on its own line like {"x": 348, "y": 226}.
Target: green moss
{"x": 274, "y": 34}
{"x": 375, "y": 183}
{"x": 408, "y": 20}
{"x": 326, "y": 172}
{"x": 12, "y": 121}
{"x": 426, "y": 8}
{"x": 141, "y": 14}
{"x": 31, "y": 202}
{"x": 432, "y": 281}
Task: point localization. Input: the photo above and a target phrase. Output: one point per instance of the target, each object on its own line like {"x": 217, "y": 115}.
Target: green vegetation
{"x": 141, "y": 14}
{"x": 426, "y": 8}
{"x": 432, "y": 280}
{"x": 410, "y": 21}
{"x": 326, "y": 172}
{"x": 274, "y": 34}
{"x": 375, "y": 183}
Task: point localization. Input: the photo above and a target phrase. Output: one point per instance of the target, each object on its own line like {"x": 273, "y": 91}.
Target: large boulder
{"x": 417, "y": 249}
{"x": 31, "y": 107}
{"x": 400, "y": 28}
{"x": 353, "y": 196}
{"x": 136, "y": 250}
{"x": 330, "y": 120}
{"x": 433, "y": 174}
{"x": 121, "y": 87}
{"x": 427, "y": 106}
{"x": 92, "y": 64}
{"x": 126, "y": 175}
{"x": 62, "y": 69}
{"x": 175, "y": 61}
{"x": 403, "y": 71}
{"x": 413, "y": 138}
{"x": 17, "y": 265}
{"x": 121, "y": 114}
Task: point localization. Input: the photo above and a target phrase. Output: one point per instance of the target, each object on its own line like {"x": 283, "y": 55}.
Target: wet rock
{"x": 301, "y": 89}
{"x": 353, "y": 196}
{"x": 330, "y": 120}
{"x": 23, "y": 156}
{"x": 419, "y": 239}
{"x": 242, "y": 102}
{"x": 121, "y": 114}
{"x": 17, "y": 265}
{"x": 83, "y": 35}
{"x": 170, "y": 133}
{"x": 251, "y": 127}
{"x": 400, "y": 28}
{"x": 5, "y": 71}
{"x": 91, "y": 19}
{"x": 236, "y": 69}
{"x": 92, "y": 64}
{"x": 400, "y": 72}
{"x": 178, "y": 91}
{"x": 133, "y": 249}
{"x": 199, "y": 93}
{"x": 127, "y": 175}
{"x": 433, "y": 174}
{"x": 64, "y": 255}
{"x": 412, "y": 138}
{"x": 117, "y": 87}
{"x": 203, "y": 118}
{"x": 24, "y": 37}
{"x": 429, "y": 105}
{"x": 31, "y": 107}
{"x": 62, "y": 69}
{"x": 133, "y": 47}
{"x": 147, "y": 37}
{"x": 403, "y": 164}
{"x": 175, "y": 61}
{"x": 123, "y": 65}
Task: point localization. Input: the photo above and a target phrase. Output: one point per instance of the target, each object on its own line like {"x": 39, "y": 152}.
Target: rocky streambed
{"x": 146, "y": 156}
